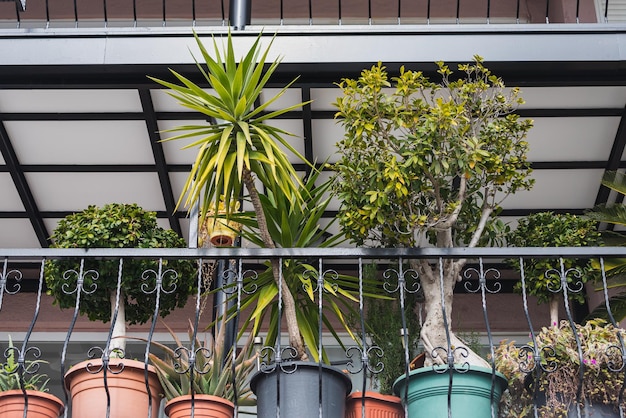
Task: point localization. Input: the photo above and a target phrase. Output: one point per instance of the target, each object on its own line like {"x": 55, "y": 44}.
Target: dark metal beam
{"x": 23, "y": 189}
{"x": 159, "y": 159}
{"x": 615, "y": 157}
{"x": 307, "y": 126}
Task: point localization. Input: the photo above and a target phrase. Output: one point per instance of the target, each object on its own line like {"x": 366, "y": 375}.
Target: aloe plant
{"x": 208, "y": 374}
{"x": 14, "y": 377}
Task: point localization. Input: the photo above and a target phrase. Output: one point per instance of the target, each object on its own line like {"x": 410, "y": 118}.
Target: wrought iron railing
{"x": 239, "y": 13}
{"x": 485, "y": 279}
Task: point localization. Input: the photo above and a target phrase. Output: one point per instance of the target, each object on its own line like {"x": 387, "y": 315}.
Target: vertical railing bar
{"x": 483, "y": 290}
{"x": 428, "y": 12}
{"x": 606, "y": 11}
{"x": 364, "y": 358}
{"x": 17, "y": 15}
{"x": 3, "y": 280}
{"x": 488, "y": 11}
{"x": 106, "y": 352}
{"x": 157, "y": 290}
{"x": 236, "y": 327}
{"x": 572, "y": 325}
{"x": 194, "y": 332}
{"x": 310, "y": 12}
{"x": 399, "y": 12}
{"x": 106, "y": 18}
{"x": 280, "y": 320}
{"x": 607, "y": 303}
{"x": 47, "y": 14}
{"x": 547, "y": 11}
{"x": 517, "y": 11}
{"x": 405, "y": 331}
{"x": 79, "y": 289}
{"x": 536, "y": 357}
{"x": 193, "y": 13}
{"x": 458, "y": 11}
{"x": 339, "y": 11}
{"x": 577, "y": 11}
{"x": 75, "y": 14}
{"x": 320, "y": 296}
{"x": 21, "y": 360}
{"x": 448, "y": 338}
{"x": 282, "y": 16}
{"x": 164, "y": 13}
{"x": 369, "y": 12}
{"x": 223, "y": 14}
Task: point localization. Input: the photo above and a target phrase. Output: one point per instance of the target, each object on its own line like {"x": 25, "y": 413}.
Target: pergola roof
{"x": 80, "y": 123}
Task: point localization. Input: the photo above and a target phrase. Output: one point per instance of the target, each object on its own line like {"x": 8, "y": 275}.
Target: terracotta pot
{"x": 40, "y": 404}
{"x": 205, "y": 406}
{"x": 129, "y": 396}
{"x": 376, "y": 405}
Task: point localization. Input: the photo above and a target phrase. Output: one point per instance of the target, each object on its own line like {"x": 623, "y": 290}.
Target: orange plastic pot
{"x": 205, "y": 406}
{"x": 375, "y": 404}
{"x": 40, "y": 404}
{"x": 128, "y": 392}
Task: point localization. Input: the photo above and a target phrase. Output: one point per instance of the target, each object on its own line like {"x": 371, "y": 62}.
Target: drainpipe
{"x": 240, "y": 12}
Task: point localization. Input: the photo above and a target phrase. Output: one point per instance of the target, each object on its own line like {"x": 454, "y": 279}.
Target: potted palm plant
{"x": 96, "y": 285}
{"x": 207, "y": 377}
{"x": 23, "y": 389}
{"x": 579, "y": 372}
{"x": 613, "y": 215}
{"x": 238, "y": 148}
{"x": 426, "y": 163}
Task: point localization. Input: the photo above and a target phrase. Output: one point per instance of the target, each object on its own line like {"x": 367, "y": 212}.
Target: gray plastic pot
{"x": 300, "y": 391}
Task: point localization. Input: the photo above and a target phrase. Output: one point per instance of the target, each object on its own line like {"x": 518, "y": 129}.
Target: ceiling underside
{"x": 75, "y": 134}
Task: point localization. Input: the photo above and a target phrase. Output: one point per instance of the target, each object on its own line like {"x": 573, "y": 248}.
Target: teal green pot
{"x": 471, "y": 392}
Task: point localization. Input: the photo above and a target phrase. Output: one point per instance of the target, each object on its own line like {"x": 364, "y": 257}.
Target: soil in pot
{"x": 129, "y": 396}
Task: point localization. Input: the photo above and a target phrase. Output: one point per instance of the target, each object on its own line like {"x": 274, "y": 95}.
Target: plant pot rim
{"x": 17, "y": 393}
{"x": 374, "y": 395}
{"x": 81, "y": 367}
{"x": 32, "y": 392}
{"x": 424, "y": 371}
{"x": 302, "y": 364}
{"x": 198, "y": 396}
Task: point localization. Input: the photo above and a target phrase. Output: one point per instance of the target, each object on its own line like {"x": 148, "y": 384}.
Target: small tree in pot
{"x": 543, "y": 276}
{"x": 117, "y": 225}
{"x": 426, "y": 163}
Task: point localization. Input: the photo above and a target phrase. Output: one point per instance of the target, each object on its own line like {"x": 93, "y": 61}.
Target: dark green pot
{"x": 471, "y": 392}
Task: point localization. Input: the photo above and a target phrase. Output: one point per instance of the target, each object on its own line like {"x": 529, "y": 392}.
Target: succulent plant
{"x": 14, "y": 376}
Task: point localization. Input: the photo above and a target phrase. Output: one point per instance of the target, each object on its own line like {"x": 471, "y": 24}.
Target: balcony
{"x": 486, "y": 310}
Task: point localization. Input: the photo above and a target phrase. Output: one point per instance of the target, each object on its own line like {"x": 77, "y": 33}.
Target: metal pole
{"x": 240, "y": 13}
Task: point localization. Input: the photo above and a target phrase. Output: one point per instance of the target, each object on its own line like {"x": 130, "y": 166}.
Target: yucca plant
{"x": 239, "y": 145}
{"x": 212, "y": 371}
{"x": 294, "y": 223}
{"x": 613, "y": 214}
{"x": 13, "y": 377}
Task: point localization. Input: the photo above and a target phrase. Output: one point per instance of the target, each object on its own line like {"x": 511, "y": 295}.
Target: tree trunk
{"x": 433, "y": 334}
{"x": 118, "y": 342}
{"x": 289, "y": 304}
{"x": 554, "y": 310}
